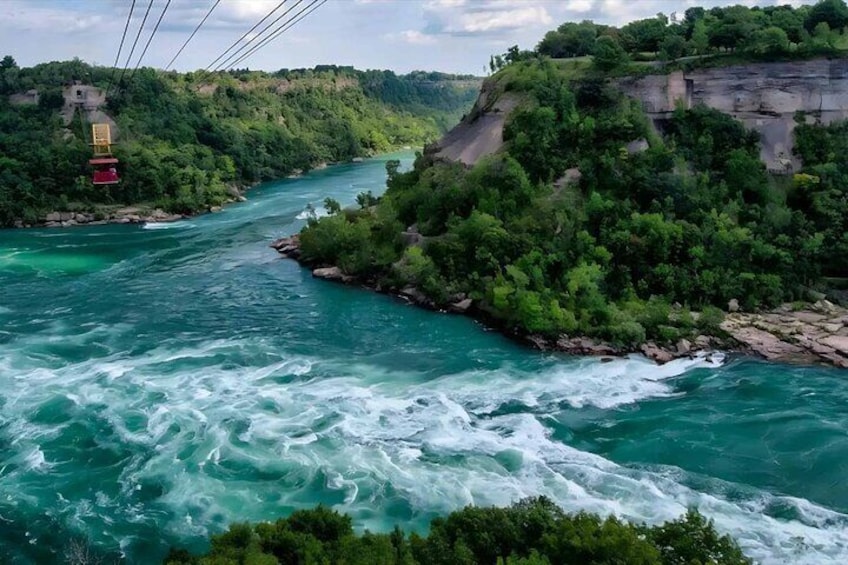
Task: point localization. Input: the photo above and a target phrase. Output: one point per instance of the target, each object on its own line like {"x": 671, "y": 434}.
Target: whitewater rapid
{"x": 158, "y": 384}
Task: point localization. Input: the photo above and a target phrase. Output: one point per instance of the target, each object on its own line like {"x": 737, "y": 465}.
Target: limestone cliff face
{"x": 764, "y": 96}
{"x": 480, "y": 133}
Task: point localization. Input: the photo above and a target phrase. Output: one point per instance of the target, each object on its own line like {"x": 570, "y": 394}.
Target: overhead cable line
{"x": 256, "y": 37}
{"x": 248, "y": 32}
{"x": 149, "y": 39}
{"x": 137, "y": 37}
{"x": 282, "y": 29}
{"x": 190, "y": 37}
{"x": 120, "y": 47}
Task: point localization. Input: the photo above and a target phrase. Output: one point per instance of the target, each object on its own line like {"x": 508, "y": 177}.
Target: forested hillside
{"x": 574, "y": 229}
{"x": 185, "y": 139}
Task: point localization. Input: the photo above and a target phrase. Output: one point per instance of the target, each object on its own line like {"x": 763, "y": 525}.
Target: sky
{"x": 402, "y": 35}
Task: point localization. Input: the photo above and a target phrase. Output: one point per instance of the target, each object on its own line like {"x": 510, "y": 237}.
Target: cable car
{"x": 105, "y": 165}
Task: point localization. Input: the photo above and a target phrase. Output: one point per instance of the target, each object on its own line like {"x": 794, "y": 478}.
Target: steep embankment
{"x": 480, "y": 133}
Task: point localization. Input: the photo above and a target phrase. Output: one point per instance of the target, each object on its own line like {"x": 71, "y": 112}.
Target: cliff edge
{"x": 766, "y": 97}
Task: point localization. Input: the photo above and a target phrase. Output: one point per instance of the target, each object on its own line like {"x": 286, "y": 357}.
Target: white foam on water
{"x": 317, "y": 212}
{"x": 166, "y": 225}
{"x": 239, "y": 441}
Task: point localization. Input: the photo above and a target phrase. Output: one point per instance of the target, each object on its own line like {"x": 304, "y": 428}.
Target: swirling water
{"x": 159, "y": 383}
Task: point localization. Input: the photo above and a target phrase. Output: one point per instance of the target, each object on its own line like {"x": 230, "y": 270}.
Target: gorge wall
{"x": 764, "y": 96}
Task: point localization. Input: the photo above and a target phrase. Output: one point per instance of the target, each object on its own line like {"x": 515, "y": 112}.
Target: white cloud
{"x": 500, "y": 20}
{"x": 579, "y": 6}
{"x": 483, "y": 17}
{"x": 412, "y": 36}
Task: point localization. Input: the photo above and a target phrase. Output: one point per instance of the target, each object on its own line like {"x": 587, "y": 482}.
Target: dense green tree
{"x": 608, "y": 54}
{"x": 531, "y": 532}
{"x": 832, "y": 12}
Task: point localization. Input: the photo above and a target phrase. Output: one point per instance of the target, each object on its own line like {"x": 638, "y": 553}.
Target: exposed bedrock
{"x": 764, "y": 96}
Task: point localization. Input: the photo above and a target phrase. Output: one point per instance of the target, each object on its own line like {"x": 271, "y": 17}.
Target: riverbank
{"x": 116, "y": 214}
{"x": 793, "y": 333}
{"x": 143, "y": 213}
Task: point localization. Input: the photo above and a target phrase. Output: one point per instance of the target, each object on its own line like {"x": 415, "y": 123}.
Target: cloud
{"x": 482, "y": 17}
{"x": 412, "y": 36}
{"x": 579, "y": 6}
{"x": 21, "y": 16}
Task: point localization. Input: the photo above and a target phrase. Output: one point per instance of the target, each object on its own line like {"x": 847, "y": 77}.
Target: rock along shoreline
{"x": 121, "y": 215}
{"x": 815, "y": 334}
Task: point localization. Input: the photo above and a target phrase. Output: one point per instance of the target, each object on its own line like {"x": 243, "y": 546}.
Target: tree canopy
{"x": 771, "y": 31}
{"x": 531, "y": 532}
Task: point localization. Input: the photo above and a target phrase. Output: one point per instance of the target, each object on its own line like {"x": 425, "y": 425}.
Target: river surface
{"x": 158, "y": 383}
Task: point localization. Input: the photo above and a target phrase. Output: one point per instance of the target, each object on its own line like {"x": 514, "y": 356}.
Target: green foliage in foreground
{"x": 184, "y": 140}
{"x": 631, "y": 249}
{"x": 532, "y": 532}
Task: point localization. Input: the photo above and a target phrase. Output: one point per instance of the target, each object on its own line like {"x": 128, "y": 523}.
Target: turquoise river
{"x": 160, "y": 382}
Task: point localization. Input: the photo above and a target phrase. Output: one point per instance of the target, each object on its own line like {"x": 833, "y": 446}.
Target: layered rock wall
{"x": 764, "y": 96}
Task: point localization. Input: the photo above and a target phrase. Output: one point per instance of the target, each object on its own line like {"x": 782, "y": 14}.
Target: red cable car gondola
{"x": 105, "y": 165}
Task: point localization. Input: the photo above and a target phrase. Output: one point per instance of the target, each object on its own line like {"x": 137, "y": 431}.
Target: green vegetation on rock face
{"x": 184, "y": 138}
{"x": 532, "y": 532}
{"x": 729, "y": 33}
{"x": 590, "y": 223}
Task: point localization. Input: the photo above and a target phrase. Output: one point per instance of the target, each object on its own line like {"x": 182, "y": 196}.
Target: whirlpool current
{"x": 158, "y": 383}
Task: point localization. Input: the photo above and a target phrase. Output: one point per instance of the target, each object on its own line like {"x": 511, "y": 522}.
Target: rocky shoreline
{"x": 120, "y": 215}
{"x": 804, "y": 334}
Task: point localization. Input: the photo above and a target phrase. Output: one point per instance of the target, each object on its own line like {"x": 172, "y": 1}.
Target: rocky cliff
{"x": 480, "y": 133}
{"x": 764, "y": 96}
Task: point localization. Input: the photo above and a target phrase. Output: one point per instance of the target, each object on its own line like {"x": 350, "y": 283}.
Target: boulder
{"x": 733, "y": 305}
{"x": 53, "y": 217}
{"x": 703, "y": 342}
{"x": 462, "y": 306}
{"x": 684, "y": 347}
{"x": 585, "y": 346}
{"x": 655, "y": 353}
{"x": 288, "y": 246}
{"x": 331, "y": 274}
{"x": 837, "y": 342}
{"x": 538, "y": 342}
{"x": 824, "y": 306}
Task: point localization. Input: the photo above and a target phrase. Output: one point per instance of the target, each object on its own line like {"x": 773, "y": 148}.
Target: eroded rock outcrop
{"x": 817, "y": 333}
{"x": 481, "y": 132}
{"x": 763, "y": 96}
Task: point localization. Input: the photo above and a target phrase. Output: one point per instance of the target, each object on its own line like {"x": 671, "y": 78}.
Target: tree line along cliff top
{"x": 697, "y": 37}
